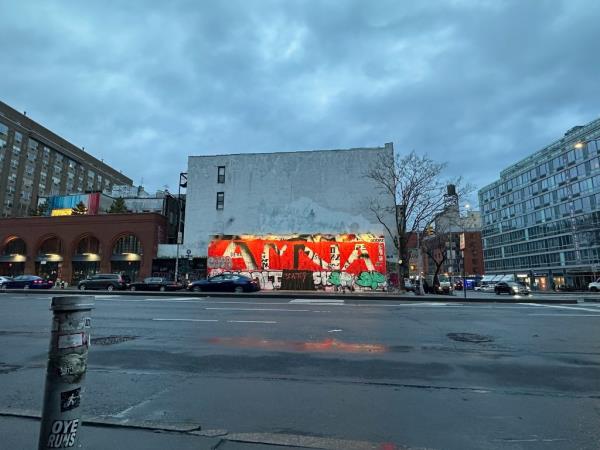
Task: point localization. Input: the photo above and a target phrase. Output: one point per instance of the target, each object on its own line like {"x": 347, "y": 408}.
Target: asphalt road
{"x": 433, "y": 375}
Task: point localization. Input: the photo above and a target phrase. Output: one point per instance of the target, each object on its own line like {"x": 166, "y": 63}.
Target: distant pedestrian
{"x": 425, "y": 286}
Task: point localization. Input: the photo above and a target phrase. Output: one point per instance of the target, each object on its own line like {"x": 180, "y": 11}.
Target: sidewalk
{"x": 21, "y": 433}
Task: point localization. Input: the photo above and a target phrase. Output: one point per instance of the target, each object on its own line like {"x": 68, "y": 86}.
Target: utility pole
{"x": 182, "y": 183}
{"x": 462, "y": 250}
{"x": 65, "y": 371}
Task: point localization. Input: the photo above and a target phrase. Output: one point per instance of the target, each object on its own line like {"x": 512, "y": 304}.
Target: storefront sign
{"x": 62, "y": 212}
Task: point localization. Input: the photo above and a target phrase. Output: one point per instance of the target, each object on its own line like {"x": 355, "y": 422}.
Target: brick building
{"x": 71, "y": 247}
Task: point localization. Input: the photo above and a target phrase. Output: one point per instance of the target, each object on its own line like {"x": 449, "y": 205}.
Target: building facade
{"x": 541, "y": 219}
{"x": 70, "y": 248}
{"x": 36, "y": 162}
{"x": 291, "y": 203}
{"x": 444, "y": 242}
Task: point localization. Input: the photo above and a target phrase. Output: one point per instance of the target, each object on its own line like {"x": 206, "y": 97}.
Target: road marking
{"x": 334, "y": 331}
{"x": 186, "y": 320}
{"x": 319, "y": 301}
{"x": 251, "y": 321}
{"x": 565, "y": 315}
{"x": 260, "y": 309}
{"x": 569, "y": 308}
{"x": 427, "y": 304}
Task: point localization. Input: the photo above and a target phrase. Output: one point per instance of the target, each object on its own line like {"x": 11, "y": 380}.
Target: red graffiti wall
{"x": 348, "y": 254}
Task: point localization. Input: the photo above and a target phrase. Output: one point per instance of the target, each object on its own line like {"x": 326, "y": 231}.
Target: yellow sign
{"x": 62, "y": 212}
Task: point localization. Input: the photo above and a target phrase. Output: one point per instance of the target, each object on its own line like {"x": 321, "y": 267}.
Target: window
{"x": 221, "y": 175}
{"x": 220, "y": 200}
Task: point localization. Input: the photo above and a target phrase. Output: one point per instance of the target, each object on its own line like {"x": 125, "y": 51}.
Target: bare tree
{"x": 435, "y": 244}
{"x": 412, "y": 196}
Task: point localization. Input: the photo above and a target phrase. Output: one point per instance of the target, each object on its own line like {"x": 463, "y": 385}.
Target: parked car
{"x": 594, "y": 286}
{"x": 108, "y": 281}
{"x": 27, "y": 282}
{"x": 3, "y": 280}
{"x": 488, "y": 287}
{"x": 155, "y": 284}
{"x": 511, "y": 288}
{"x": 225, "y": 283}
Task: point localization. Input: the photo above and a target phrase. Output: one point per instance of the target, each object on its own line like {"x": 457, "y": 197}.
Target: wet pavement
{"x": 326, "y": 372}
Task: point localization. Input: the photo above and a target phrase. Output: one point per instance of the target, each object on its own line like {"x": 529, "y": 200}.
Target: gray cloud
{"x": 145, "y": 84}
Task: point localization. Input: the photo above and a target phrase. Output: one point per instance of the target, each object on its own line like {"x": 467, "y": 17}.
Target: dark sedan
{"x": 28, "y": 282}
{"x": 155, "y": 284}
{"x": 225, "y": 283}
{"x": 511, "y": 288}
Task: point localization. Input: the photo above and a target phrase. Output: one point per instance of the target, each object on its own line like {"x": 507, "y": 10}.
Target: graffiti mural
{"x": 353, "y": 262}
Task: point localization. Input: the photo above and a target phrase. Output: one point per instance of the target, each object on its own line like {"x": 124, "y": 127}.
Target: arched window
{"x": 88, "y": 245}
{"x": 51, "y": 245}
{"x": 127, "y": 244}
{"x": 14, "y": 246}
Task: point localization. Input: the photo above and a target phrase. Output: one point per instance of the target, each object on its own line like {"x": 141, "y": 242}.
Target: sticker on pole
{"x": 70, "y": 399}
{"x": 63, "y": 434}
{"x": 71, "y": 365}
{"x": 73, "y": 340}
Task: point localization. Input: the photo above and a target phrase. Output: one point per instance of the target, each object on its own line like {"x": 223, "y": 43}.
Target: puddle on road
{"x": 326, "y": 345}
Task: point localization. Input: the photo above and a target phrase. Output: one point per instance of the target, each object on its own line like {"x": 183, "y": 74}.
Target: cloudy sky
{"x": 142, "y": 84}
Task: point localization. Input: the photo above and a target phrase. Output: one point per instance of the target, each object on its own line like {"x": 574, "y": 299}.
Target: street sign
{"x": 188, "y": 252}
{"x": 462, "y": 241}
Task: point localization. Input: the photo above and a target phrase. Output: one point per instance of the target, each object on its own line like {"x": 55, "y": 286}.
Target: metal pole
{"x": 464, "y": 275}
{"x": 420, "y": 265}
{"x": 65, "y": 373}
{"x": 178, "y": 228}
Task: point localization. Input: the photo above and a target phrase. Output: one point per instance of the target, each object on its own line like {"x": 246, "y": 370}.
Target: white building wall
{"x": 280, "y": 193}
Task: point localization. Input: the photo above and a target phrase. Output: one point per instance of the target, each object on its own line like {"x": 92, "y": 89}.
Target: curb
{"x": 223, "y": 436}
{"x": 302, "y": 294}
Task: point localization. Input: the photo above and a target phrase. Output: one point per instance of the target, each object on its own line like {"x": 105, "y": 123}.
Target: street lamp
{"x": 182, "y": 184}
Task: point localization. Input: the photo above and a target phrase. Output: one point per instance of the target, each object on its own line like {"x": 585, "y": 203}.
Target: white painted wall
{"x": 323, "y": 191}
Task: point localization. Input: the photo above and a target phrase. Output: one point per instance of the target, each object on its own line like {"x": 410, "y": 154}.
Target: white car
{"x": 488, "y": 287}
{"x": 594, "y": 286}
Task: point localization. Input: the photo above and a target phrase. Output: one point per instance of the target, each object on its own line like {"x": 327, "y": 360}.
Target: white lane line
{"x": 426, "y": 304}
{"x": 186, "y": 320}
{"x": 251, "y": 321}
{"x": 260, "y": 309}
{"x": 311, "y": 301}
{"x": 568, "y": 308}
{"x": 558, "y": 316}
